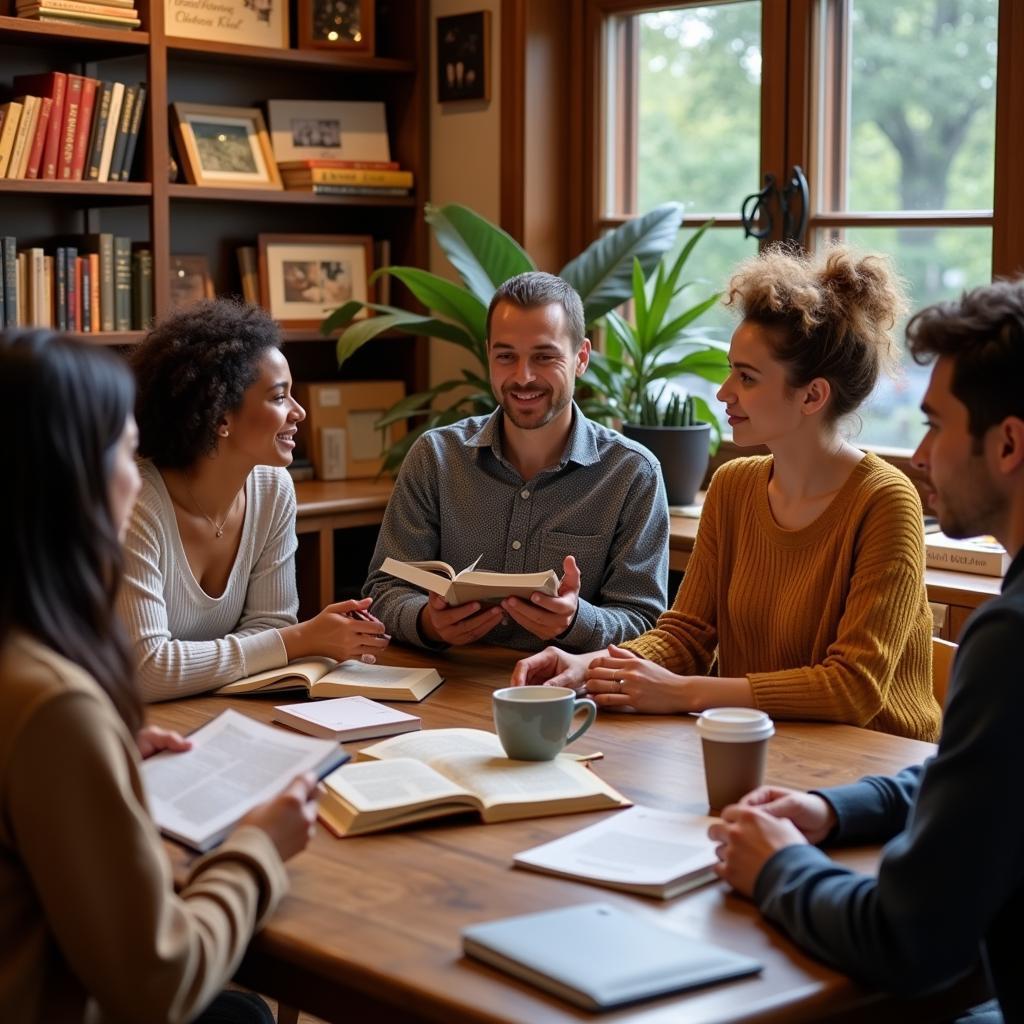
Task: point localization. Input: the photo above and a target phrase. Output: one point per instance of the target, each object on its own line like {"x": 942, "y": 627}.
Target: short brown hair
{"x": 831, "y": 314}
{"x": 534, "y": 289}
{"x": 983, "y": 333}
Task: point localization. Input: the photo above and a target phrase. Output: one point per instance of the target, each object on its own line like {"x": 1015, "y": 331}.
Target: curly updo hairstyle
{"x": 191, "y": 370}
{"x": 831, "y": 314}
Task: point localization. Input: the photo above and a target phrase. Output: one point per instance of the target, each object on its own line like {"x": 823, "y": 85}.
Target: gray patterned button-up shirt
{"x": 457, "y": 497}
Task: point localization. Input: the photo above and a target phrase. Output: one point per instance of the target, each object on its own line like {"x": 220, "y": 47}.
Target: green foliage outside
{"x": 922, "y": 117}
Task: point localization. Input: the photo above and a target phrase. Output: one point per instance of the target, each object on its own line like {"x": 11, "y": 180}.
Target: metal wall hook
{"x": 756, "y": 208}
{"x": 795, "y": 227}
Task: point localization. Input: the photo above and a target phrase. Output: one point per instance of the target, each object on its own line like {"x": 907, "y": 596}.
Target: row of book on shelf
{"x": 117, "y": 14}
{"x": 93, "y": 283}
{"x": 68, "y": 127}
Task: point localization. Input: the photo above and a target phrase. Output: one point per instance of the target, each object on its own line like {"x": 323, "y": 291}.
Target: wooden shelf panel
{"x": 202, "y": 193}
{"x": 108, "y": 337}
{"x": 280, "y": 57}
{"x": 93, "y": 191}
{"x": 21, "y": 30}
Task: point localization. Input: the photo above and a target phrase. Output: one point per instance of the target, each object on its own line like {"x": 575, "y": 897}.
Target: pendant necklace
{"x": 218, "y": 527}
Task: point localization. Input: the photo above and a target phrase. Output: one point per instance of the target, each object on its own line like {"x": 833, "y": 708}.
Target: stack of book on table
{"x": 346, "y": 177}
{"x": 67, "y": 127}
{"x": 108, "y": 14}
{"x": 982, "y": 555}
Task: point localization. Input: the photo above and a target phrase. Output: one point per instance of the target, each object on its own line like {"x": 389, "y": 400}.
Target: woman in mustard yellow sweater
{"x": 806, "y": 580}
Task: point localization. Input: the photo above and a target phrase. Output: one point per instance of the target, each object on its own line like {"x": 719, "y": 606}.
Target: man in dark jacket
{"x": 950, "y": 885}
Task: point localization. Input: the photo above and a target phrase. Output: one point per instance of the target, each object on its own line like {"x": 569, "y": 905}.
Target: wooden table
{"x": 370, "y": 930}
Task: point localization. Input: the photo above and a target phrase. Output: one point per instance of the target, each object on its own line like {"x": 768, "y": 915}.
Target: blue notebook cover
{"x": 598, "y": 956}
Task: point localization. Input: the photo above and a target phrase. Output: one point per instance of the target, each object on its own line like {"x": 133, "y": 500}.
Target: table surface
{"x": 370, "y": 930}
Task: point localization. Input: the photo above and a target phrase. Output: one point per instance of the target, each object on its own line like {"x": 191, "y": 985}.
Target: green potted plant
{"x": 629, "y": 381}
{"x": 485, "y": 257}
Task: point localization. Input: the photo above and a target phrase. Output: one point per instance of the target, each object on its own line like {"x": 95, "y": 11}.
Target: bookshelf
{"x": 176, "y": 218}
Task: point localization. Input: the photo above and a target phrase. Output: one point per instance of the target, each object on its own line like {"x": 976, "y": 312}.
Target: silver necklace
{"x": 218, "y": 527}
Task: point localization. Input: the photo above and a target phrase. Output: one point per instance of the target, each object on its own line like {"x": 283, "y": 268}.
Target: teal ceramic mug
{"x": 533, "y": 722}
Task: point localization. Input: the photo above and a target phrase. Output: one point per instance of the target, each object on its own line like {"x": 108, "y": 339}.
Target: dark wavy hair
{"x": 59, "y": 546}
{"x": 191, "y": 370}
{"x": 983, "y": 333}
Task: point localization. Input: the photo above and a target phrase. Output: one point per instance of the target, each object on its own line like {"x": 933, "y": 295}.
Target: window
{"x": 889, "y": 106}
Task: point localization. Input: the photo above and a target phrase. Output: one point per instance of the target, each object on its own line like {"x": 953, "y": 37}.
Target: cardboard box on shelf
{"x": 338, "y": 433}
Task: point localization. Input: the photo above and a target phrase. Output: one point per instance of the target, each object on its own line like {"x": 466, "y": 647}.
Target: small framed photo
{"x": 190, "y": 281}
{"x": 463, "y": 57}
{"x": 303, "y": 278}
{"x": 336, "y": 25}
{"x": 224, "y": 146}
{"x": 328, "y": 130}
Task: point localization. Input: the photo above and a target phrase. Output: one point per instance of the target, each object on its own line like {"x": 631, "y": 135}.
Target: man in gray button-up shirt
{"x": 534, "y": 486}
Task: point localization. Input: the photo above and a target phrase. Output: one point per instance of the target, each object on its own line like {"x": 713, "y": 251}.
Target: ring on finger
{"x": 618, "y": 685}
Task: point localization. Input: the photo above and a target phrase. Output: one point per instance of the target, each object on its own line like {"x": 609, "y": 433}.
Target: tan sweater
{"x": 830, "y": 622}
{"x": 90, "y": 926}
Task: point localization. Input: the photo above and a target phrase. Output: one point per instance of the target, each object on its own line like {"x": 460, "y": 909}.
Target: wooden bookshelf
{"x": 176, "y": 218}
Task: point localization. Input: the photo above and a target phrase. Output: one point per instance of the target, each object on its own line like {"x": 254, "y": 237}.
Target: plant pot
{"x": 683, "y": 453}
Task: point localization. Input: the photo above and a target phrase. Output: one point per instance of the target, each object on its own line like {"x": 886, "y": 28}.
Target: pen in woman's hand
{"x": 368, "y": 659}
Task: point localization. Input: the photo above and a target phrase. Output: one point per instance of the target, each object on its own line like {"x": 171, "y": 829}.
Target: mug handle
{"x": 588, "y": 706}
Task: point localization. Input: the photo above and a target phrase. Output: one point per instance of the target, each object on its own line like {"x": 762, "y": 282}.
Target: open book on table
{"x": 642, "y": 850}
{"x": 471, "y": 584}
{"x": 450, "y": 771}
{"x": 322, "y": 677}
{"x": 198, "y": 796}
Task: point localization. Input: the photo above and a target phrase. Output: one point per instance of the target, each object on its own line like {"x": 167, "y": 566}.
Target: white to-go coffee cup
{"x": 735, "y": 746}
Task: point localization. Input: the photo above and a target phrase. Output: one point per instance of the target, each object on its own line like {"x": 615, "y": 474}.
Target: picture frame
{"x": 336, "y": 25}
{"x": 242, "y": 22}
{"x": 328, "y": 130}
{"x": 224, "y": 147}
{"x": 303, "y": 278}
{"x": 464, "y": 57}
{"x": 190, "y": 280}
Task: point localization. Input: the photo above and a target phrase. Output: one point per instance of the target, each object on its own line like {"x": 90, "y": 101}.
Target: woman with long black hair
{"x": 90, "y": 924}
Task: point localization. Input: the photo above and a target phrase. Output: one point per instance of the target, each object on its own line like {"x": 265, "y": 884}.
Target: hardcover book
{"x": 346, "y": 718}
{"x": 440, "y": 772}
{"x": 322, "y": 677}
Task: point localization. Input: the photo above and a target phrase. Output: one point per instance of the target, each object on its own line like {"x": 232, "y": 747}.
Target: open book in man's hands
{"x": 322, "y": 677}
{"x": 451, "y": 771}
{"x": 199, "y": 795}
{"x": 471, "y": 584}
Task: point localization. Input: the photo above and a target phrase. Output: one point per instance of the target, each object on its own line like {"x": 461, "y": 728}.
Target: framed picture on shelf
{"x": 328, "y": 130}
{"x": 242, "y": 22}
{"x": 190, "y": 281}
{"x": 303, "y": 278}
{"x": 463, "y": 57}
{"x": 224, "y": 146}
{"x": 336, "y": 25}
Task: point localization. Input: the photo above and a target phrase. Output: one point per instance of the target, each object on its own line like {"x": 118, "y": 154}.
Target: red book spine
{"x": 70, "y": 126}
{"x": 35, "y": 156}
{"x": 53, "y": 136}
{"x": 86, "y": 103}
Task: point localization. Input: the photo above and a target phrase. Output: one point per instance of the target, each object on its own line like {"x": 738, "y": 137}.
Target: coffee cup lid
{"x": 734, "y": 725}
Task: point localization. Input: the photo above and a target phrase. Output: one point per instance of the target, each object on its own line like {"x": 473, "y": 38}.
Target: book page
{"x": 235, "y": 763}
{"x": 420, "y": 574}
{"x": 355, "y": 672}
{"x": 497, "y": 780}
{"x": 642, "y": 845}
{"x": 305, "y": 672}
{"x": 395, "y": 783}
{"x": 436, "y": 743}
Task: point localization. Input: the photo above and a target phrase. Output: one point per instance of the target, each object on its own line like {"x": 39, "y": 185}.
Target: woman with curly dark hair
{"x": 209, "y": 594}
{"x": 806, "y": 582}
{"x": 90, "y": 924}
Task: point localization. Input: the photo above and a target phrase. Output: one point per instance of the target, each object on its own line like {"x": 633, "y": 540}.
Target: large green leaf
{"x": 483, "y": 254}
{"x": 440, "y": 418}
{"x": 416, "y": 405}
{"x": 602, "y": 273}
{"x": 706, "y": 415}
{"x": 711, "y": 365}
{"x": 443, "y": 296}
{"x": 362, "y": 331}
{"x": 675, "y": 327}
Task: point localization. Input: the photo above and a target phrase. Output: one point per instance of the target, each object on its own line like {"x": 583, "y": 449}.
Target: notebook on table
{"x": 598, "y": 956}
